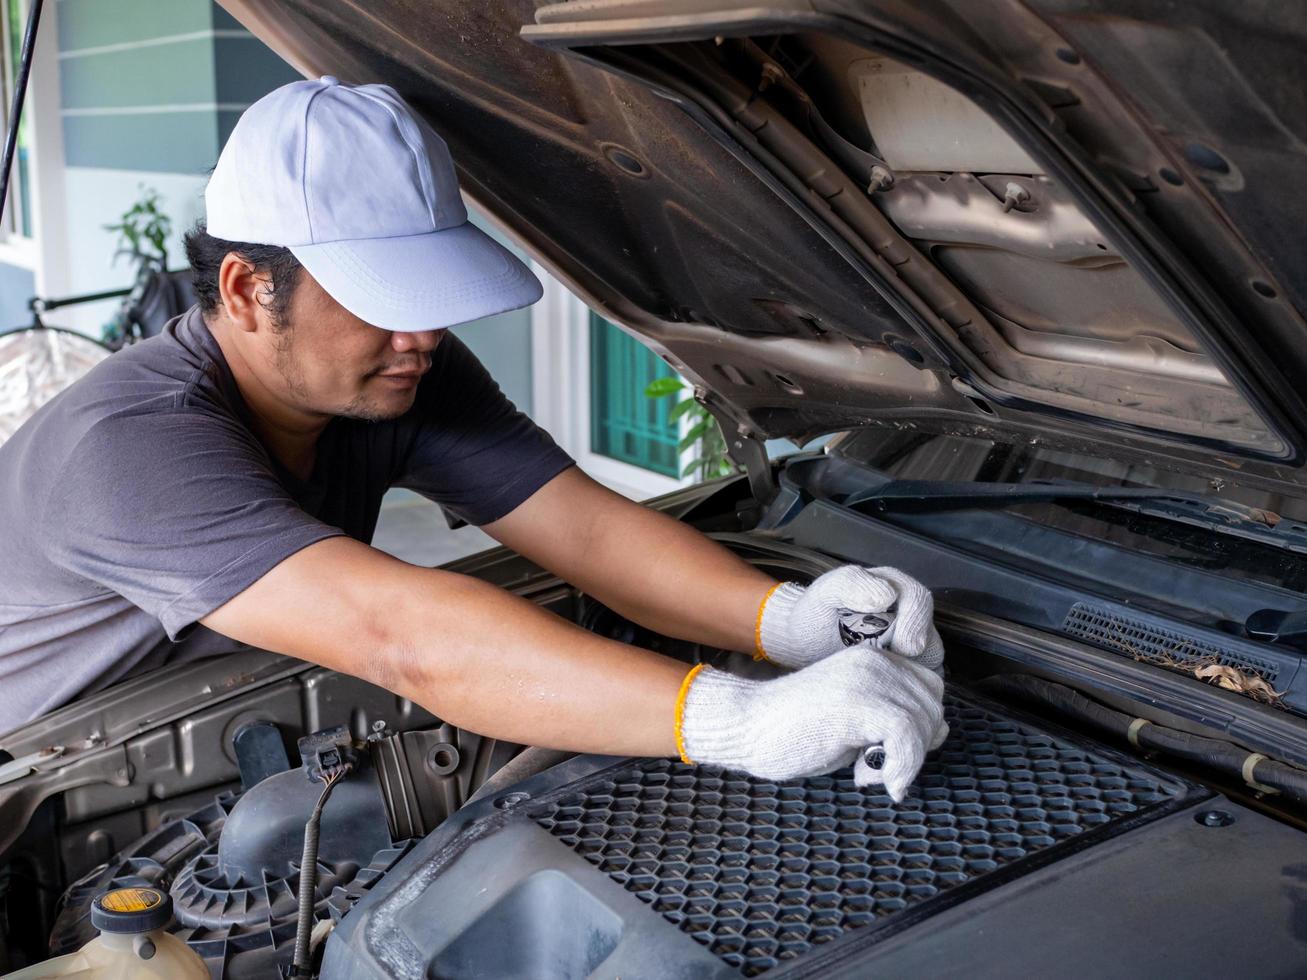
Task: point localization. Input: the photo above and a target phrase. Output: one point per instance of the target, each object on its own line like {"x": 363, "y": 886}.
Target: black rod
{"x": 16, "y": 108}
{"x": 38, "y": 305}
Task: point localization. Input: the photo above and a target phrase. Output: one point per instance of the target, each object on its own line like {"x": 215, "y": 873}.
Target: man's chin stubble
{"x": 361, "y": 410}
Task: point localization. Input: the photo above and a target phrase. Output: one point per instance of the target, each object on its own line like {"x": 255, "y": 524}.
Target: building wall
{"x": 154, "y": 87}
{"x": 147, "y": 93}
{"x": 16, "y": 286}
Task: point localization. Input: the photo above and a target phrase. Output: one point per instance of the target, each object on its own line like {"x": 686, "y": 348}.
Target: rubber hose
{"x": 1222, "y": 756}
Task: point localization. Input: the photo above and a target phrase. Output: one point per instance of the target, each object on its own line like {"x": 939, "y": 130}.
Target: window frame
{"x": 560, "y": 385}
{"x": 15, "y": 215}
{"x": 45, "y": 251}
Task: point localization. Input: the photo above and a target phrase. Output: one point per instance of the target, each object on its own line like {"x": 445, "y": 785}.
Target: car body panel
{"x": 648, "y": 193}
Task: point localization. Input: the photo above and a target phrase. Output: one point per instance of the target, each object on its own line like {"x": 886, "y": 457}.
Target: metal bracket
{"x": 746, "y": 449}
{"x": 17, "y": 768}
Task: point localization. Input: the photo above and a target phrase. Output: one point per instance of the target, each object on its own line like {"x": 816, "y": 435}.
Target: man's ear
{"x": 239, "y": 287}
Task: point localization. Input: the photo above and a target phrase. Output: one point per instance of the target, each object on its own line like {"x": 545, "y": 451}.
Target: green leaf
{"x": 694, "y": 435}
{"x": 143, "y": 224}
{"x": 660, "y": 387}
{"x": 682, "y": 407}
{"x": 697, "y": 464}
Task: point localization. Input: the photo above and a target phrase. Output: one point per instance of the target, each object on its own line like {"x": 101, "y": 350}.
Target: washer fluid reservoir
{"x": 133, "y": 944}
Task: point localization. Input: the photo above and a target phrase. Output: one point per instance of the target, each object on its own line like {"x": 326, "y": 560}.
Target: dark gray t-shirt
{"x": 138, "y": 501}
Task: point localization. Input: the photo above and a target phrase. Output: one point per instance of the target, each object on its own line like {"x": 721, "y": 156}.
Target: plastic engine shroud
{"x": 761, "y": 876}
{"x": 243, "y": 929}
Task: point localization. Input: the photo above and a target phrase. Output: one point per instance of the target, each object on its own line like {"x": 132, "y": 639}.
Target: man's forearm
{"x": 645, "y": 565}
{"x": 493, "y": 663}
{"x": 472, "y": 654}
{"x": 673, "y": 579}
{"x": 502, "y": 666}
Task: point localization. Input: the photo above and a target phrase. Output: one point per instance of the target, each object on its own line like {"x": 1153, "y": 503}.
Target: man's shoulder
{"x": 156, "y": 378}
{"x": 149, "y": 399}
{"x": 154, "y": 371}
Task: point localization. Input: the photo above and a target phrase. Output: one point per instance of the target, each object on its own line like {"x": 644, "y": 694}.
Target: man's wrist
{"x": 681, "y": 697}
{"x": 773, "y": 635}
{"x": 759, "y": 649}
{"x": 711, "y": 717}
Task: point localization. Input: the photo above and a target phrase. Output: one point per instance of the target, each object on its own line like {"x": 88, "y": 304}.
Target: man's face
{"x": 332, "y": 363}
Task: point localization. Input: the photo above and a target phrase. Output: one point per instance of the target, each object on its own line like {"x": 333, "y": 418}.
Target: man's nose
{"x": 422, "y": 341}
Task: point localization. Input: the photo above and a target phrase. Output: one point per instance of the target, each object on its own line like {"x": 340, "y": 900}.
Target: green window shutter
{"x": 624, "y": 423}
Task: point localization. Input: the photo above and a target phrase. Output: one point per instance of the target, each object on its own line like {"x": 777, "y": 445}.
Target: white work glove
{"x": 816, "y": 720}
{"x": 798, "y": 626}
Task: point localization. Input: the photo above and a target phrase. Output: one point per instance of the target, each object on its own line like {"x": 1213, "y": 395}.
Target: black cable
{"x": 20, "y": 93}
{"x": 1252, "y": 768}
{"x": 301, "y": 966}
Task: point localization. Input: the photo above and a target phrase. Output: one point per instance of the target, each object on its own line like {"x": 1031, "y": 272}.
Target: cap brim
{"x": 422, "y": 282}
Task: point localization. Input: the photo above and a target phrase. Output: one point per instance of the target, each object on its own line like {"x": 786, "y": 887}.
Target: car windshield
{"x": 918, "y": 456}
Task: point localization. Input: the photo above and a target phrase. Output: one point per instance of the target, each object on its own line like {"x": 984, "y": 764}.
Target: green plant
{"x": 142, "y": 230}
{"x": 712, "y": 459}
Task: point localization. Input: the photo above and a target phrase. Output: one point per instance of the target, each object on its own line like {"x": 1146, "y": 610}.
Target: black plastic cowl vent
{"x": 1157, "y": 644}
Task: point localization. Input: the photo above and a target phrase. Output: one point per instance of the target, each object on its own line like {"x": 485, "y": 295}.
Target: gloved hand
{"x": 816, "y": 720}
{"x": 798, "y": 626}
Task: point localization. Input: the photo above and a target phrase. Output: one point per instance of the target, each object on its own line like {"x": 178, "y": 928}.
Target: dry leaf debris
{"x": 1206, "y": 667}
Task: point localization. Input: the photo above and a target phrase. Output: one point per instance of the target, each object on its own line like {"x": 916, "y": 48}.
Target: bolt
{"x": 882, "y": 179}
{"x": 511, "y": 800}
{"x": 1215, "y": 818}
{"x": 1014, "y": 195}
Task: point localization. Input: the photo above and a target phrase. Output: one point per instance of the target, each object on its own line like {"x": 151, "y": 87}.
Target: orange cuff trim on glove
{"x": 680, "y": 712}
{"x": 758, "y": 652}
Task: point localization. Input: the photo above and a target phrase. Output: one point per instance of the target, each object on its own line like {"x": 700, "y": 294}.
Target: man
{"x": 221, "y": 482}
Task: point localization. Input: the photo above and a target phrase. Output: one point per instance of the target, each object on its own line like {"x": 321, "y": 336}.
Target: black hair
{"x": 205, "y": 254}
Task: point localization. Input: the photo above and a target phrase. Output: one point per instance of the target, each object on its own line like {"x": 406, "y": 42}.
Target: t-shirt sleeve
{"x": 177, "y": 512}
{"x": 472, "y": 451}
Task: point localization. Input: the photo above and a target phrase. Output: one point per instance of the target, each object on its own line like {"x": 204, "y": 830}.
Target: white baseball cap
{"x": 363, "y": 192}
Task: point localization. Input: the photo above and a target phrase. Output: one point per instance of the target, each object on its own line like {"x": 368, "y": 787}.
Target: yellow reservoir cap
{"x": 131, "y": 900}
{"x": 132, "y": 910}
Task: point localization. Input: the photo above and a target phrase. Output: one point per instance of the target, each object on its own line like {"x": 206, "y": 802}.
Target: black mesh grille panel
{"x": 1155, "y": 644}
{"x": 762, "y": 872}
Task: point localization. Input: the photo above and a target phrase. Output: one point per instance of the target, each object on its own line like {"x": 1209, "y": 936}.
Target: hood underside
{"x": 1071, "y": 222}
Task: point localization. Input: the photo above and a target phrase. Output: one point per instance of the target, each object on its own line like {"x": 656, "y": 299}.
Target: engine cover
{"x": 638, "y": 868}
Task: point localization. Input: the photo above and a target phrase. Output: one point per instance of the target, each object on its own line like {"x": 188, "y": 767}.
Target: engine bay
{"x": 211, "y": 805}
{"x": 444, "y": 854}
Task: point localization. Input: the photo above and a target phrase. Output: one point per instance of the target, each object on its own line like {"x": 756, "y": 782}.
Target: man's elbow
{"x": 408, "y": 646}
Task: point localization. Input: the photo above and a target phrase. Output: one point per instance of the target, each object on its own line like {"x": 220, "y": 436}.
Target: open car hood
{"x": 1071, "y": 221}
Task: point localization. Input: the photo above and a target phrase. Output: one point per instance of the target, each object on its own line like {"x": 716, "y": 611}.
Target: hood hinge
{"x": 745, "y": 447}
{"x": 750, "y": 451}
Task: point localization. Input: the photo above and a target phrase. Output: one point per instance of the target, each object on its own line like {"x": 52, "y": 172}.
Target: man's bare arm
{"x": 645, "y": 565}
{"x": 469, "y": 652}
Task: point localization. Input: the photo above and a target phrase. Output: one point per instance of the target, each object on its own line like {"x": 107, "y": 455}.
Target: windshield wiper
{"x": 1227, "y": 517}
